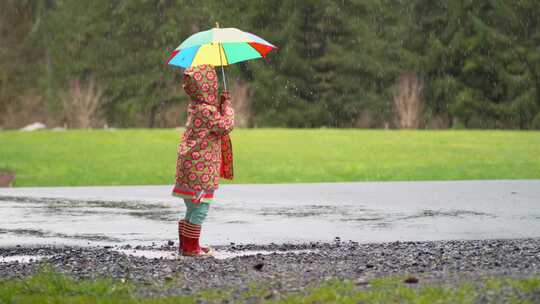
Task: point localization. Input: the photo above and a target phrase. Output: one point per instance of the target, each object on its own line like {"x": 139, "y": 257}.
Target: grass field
{"x": 142, "y": 156}
{"x": 49, "y": 287}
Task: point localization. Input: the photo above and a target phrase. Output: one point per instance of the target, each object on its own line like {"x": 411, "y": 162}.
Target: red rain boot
{"x": 190, "y": 241}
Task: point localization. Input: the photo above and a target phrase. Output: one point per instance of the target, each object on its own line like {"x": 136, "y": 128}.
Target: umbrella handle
{"x": 224, "y": 80}
{"x": 221, "y": 62}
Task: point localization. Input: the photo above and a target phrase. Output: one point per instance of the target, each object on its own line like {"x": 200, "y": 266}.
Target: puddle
{"x": 156, "y": 215}
{"x": 49, "y": 234}
{"x": 23, "y": 258}
{"x": 222, "y": 255}
{"x": 218, "y": 254}
{"x": 301, "y": 213}
{"x": 63, "y": 203}
{"x": 306, "y": 211}
{"x": 428, "y": 213}
{"x": 311, "y": 211}
{"x": 149, "y": 254}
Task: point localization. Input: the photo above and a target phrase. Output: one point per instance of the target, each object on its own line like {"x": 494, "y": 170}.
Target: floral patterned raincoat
{"x": 205, "y": 151}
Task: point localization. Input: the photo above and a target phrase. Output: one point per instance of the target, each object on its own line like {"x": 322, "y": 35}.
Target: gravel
{"x": 418, "y": 262}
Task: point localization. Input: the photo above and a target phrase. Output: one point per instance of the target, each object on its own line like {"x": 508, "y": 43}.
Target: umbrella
{"x": 219, "y": 47}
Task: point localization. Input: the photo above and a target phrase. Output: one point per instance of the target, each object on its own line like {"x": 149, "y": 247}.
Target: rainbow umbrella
{"x": 219, "y": 47}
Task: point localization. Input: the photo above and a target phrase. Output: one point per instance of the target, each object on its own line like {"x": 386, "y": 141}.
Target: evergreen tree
{"x": 331, "y": 65}
{"x": 337, "y": 61}
{"x": 469, "y": 57}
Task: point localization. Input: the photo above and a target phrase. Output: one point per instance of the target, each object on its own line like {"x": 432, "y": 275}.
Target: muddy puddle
{"x": 263, "y": 214}
{"x": 218, "y": 254}
{"x": 158, "y": 254}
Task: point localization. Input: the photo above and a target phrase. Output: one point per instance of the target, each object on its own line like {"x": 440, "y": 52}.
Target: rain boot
{"x": 191, "y": 234}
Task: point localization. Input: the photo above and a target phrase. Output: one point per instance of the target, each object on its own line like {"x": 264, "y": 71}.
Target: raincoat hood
{"x": 201, "y": 84}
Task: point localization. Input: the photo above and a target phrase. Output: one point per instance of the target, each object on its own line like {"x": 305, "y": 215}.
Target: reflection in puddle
{"x": 22, "y": 258}
{"x": 218, "y": 254}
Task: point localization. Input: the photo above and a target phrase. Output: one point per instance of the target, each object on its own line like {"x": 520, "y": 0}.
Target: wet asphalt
{"x": 281, "y": 213}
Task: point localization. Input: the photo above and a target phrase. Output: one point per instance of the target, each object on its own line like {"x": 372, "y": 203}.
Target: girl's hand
{"x": 225, "y": 101}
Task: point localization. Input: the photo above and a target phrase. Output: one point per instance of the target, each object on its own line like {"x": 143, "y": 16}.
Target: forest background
{"x": 344, "y": 64}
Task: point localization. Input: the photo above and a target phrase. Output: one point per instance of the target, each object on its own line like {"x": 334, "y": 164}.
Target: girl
{"x": 204, "y": 154}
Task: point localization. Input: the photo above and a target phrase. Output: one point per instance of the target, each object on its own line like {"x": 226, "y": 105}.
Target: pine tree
{"x": 470, "y": 58}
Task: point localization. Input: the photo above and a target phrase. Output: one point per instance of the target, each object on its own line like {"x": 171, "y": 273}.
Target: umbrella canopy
{"x": 219, "y": 47}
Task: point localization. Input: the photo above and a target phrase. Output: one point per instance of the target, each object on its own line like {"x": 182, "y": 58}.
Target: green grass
{"x": 140, "y": 156}
{"x": 50, "y": 287}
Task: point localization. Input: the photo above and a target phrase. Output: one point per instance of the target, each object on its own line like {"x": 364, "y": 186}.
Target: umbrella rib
{"x": 224, "y": 53}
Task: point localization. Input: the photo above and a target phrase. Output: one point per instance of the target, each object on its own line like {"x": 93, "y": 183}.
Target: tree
{"x": 472, "y": 60}
{"x": 338, "y": 63}
{"x": 331, "y": 65}
{"x": 123, "y": 44}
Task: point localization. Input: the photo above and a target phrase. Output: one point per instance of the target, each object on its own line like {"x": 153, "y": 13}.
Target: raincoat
{"x": 205, "y": 150}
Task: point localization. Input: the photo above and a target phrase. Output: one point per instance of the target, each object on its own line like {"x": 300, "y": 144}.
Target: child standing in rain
{"x": 204, "y": 154}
